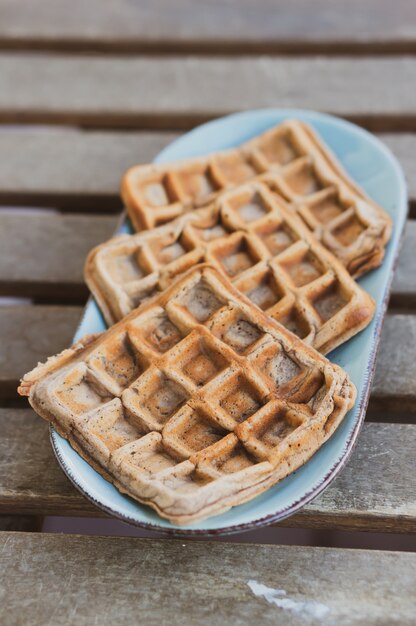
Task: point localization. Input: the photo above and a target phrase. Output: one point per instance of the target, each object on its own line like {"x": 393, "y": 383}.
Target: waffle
{"x": 195, "y": 402}
{"x": 252, "y": 236}
{"x": 291, "y": 157}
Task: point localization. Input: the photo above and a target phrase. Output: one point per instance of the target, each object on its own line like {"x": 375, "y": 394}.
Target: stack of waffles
{"x": 211, "y": 386}
{"x": 289, "y": 158}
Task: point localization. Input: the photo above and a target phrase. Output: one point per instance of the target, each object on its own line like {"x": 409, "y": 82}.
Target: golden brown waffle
{"x": 195, "y": 402}
{"x": 260, "y": 244}
{"x": 290, "y": 157}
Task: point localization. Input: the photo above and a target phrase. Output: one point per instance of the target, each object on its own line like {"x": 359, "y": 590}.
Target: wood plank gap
{"x": 88, "y": 204}
{"x": 44, "y": 292}
{"x": 174, "y": 121}
{"x": 224, "y": 47}
{"x": 21, "y": 523}
{"x": 66, "y": 201}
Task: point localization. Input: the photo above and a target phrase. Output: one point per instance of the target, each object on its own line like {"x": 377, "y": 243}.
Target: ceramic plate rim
{"x": 361, "y": 403}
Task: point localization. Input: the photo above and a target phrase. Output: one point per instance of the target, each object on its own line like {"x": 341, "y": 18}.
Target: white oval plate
{"x": 373, "y": 167}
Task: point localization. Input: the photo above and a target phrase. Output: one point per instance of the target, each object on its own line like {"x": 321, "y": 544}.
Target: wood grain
{"x": 70, "y": 169}
{"x": 76, "y": 170}
{"x": 93, "y": 580}
{"x": 375, "y": 492}
{"x": 43, "y": 253}
{"x": 183, "y": 91}
{"x": 404, "y": 282}
{"x": 29, "y": 334}
{"x": 59, "y": 244}
{"x": 394, "y": 385}
{"x": 232, "y": 26}
{"x": 86, "y": 580}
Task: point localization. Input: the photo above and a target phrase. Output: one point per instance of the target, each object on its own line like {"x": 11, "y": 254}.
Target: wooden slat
{"x": 394, "y": 386}
{"x": 75, "y": 170}
{"x": 376, "y": 491}
{"x": 404, "y": 281}
{"x": 30, "y": 334}
{"x": 182, "y": 91}
{"x": 70, "y": 169}
{"x": 52, "y": 579}
{"x": 232, "y": 26}
{"x": 86, "y": 580}
{"x": 42, "y": 254}
{"x": 59, "y": 244}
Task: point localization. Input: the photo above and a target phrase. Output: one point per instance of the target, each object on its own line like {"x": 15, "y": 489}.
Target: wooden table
{"x": 88, "y": 88}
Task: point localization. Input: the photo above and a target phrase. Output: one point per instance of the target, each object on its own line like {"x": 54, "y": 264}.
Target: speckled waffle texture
{"x": 251, "y": 235}
{"x": 289, "y": 157}
{"x": 195, "y": 402}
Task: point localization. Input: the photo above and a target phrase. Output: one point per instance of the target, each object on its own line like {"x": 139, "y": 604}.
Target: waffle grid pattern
{"x": 290, "y": 157}
{"x": 250, "y": 235}
{"x": 194, "y": 402}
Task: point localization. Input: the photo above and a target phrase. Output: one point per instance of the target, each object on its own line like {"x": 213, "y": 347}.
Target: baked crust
{"x": 195, "y": 402}
{"x": 252, "y": 236}
{"x": 290, "y": 157}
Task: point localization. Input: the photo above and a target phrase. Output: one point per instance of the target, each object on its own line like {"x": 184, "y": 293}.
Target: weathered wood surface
{"x": 75, "y": 170}
{"x": 182, "y": 91}
{"x": 232, "y": 26}
{"x": 394, "y": 386}
{"x": 52, "y": 579}
{"x": 404, "y": 281}
{"x": 42, "y": 254}
{"x": 68, "y": 168}
{"x": 376, "y": 491}
{"x": 29, "y": 334}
